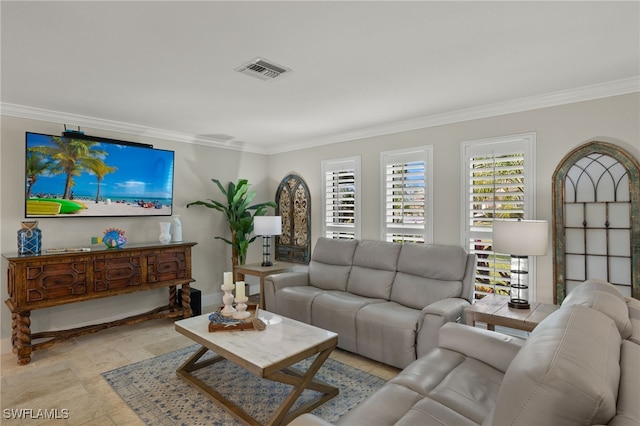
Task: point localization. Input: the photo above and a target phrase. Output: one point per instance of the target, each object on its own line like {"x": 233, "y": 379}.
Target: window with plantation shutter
{"x": 341, "y": 198}
{"x": 498, "y": 184}
{"x": 407, "y": 210}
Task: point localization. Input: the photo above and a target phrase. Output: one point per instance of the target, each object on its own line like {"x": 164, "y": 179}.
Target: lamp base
{"x": 519, "y": 304}
{"x": 266, "y": 252}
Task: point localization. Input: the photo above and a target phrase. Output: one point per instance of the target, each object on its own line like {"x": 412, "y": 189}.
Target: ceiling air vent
{"x": 263, "y": 69}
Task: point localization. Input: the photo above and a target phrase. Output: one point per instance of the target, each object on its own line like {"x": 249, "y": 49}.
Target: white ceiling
{"x": 359, "y": 68}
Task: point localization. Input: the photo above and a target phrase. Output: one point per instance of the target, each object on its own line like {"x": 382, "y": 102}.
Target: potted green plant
{"x": 239, "y": 215}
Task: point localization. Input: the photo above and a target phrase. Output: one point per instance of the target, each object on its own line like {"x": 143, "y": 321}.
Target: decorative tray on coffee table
{"x": 217, "y": 322}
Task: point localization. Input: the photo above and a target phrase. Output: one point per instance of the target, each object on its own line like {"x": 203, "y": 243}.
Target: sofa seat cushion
{"x": 336, "y": 311}
{"x": 387, "y": 333}
{"x": 566, "y": 374}
{"x": 441, "y": 388}
{"x": 295, "y": 302}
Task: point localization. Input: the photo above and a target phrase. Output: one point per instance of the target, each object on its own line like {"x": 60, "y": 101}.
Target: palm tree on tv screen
{"x": 36, "y": 165}
{"x": 100, "y": 169}
{"x": 71, "y": 157}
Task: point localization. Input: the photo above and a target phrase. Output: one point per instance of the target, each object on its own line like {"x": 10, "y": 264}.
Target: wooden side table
{"x": 494, "y": 310}
{"x": 257, "y": 270}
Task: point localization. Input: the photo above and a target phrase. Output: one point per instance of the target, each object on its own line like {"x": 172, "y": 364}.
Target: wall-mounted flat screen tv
{"x": 69, "y": 176}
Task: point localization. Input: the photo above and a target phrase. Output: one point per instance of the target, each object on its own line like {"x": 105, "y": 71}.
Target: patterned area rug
{"x": 159, "y": 397}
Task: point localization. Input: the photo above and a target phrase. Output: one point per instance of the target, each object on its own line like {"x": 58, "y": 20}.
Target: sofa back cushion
{"x": 428, "y": 273}
{"x": 604, "y": 297}
{"x": 331, "y": 262}
{"x": 374, "y": 268}
{"x": 634, "y": 316}
{"x": 567, "y": 373}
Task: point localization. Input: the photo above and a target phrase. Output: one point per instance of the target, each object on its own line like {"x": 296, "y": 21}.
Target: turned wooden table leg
{"x": 173, "y": 295}
{"x": 14, "y": 332}
{"x": 186, "y": 300}
{"x": 21, "y": 336}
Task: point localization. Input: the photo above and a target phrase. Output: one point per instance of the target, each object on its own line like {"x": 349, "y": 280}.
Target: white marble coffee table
{"x": 269, "y": 354}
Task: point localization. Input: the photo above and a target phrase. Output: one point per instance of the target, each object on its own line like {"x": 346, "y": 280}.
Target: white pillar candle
{"x": 228, "y": 278}
{"x": 240, "y": 290}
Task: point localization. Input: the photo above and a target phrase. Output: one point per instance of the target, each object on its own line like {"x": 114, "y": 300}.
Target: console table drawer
{"x": 55, "y": 281}
{"x": 117, "y": 273}
{"x": 169, "y": 265}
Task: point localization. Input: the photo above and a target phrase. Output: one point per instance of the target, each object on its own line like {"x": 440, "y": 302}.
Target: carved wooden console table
{"x": 46, "y": 280}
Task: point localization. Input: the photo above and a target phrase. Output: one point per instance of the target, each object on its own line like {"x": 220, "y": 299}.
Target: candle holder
{"x": 241, "y": 307}
{"x": 227, "y": 299}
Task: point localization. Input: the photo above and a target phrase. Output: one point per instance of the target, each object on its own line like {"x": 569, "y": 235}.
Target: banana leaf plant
{"x": 239, "y": 216}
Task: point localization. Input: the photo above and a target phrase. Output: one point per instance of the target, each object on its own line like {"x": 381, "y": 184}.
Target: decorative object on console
{"x": 238, "y": 213}
{"x": 165, "y": 234}
{"x": 266, "y": 226}
{"x": 29, "y": 238}
{"x": 521, "y": 239}
{"x": 114, "y": 238}
{"x": 176, "y": 229}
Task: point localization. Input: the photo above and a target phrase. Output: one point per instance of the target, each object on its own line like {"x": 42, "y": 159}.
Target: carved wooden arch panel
{"x": 596, "y": 219}
{"x": 293, "y": 203}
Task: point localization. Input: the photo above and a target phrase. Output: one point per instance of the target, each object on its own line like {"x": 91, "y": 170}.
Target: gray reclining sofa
{"x": 386, "y": 301}
{"x": 580, "y": 366}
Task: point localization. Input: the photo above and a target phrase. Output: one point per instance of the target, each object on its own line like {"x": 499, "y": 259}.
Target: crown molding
{"x": 586, "y": 93}
{"x": 86, "y": 122}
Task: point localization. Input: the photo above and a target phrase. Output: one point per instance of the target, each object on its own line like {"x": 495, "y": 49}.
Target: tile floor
{"x": 68, "y": 375}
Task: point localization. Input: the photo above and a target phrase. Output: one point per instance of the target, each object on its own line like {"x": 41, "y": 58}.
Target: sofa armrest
{"x": 434, "y": 316}
{"x": 287, "y": 279}
{"x": 273, "y": 283}
{"x": 309, "y": 420}
{"x": 450, "y": 309}
{"x": 495, "y": 349}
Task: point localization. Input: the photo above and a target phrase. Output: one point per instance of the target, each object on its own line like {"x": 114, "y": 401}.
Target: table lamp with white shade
{"x": 266, "y": 226}
{"x": 521, "y": 239}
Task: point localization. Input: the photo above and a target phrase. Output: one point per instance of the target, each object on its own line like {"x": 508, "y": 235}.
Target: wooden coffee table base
{"x": 298, "y": 379}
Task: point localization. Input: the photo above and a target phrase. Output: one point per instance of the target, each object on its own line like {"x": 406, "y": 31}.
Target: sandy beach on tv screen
{"x": 114, "y": 208}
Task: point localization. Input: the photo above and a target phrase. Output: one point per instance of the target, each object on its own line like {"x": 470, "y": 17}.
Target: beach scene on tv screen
{"x": 74, "y": 177}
